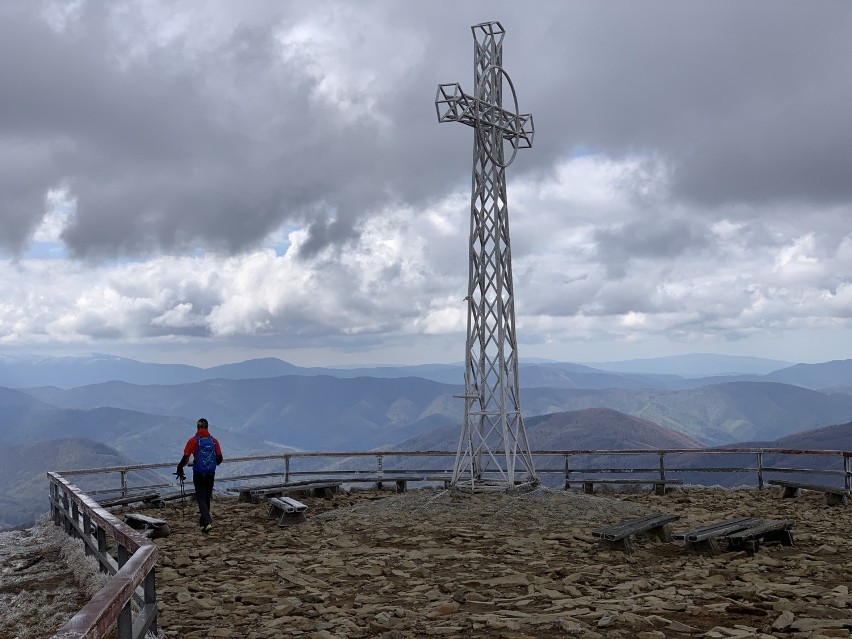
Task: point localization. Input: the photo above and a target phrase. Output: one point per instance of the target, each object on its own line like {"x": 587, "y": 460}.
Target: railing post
{"x": 65, "y": 515}
{"x": 87, "y": 530}
{"x": 75, "y": 517}
{"x": 567, "y": 473}
{"x": 287, "y": 470}
{"x": 379, "y": 465}
{"x": 54, "y": 503}
{"x": 847, "y": 466}
{"x": 100, "y": 535}
{"x": 662, "y": 467}
{"x": 125, "y": 617}
{"x": 124, "y": 483}
{"x": 150, "y": 600}
{"x": 759, "y": 469}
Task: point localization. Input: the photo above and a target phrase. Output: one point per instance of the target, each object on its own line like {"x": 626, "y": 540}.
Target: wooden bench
{"x": 446, "y": 478}
{"x": 833, "y": 496}
{"x": 254, "y": 494}
{"x": 401, "y": 481}
{"x": 658, "y": 484}
{"x": 705, "y": 539}
{"x": 288, "y": 510}
{"x": 149, "y": 526}
{"x": 149, "y": 499}
{"x": 619, "y": 535}
{"x": 777, "y": 531}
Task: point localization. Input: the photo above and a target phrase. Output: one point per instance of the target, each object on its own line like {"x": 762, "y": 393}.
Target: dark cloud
{"x": 175, "y": 149}
{"x": 650, "y": 239}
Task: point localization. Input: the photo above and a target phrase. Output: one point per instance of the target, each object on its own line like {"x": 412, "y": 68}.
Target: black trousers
{"x": 203, "y": 494}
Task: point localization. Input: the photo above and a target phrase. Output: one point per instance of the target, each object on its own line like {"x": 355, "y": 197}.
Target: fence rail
{"x": 133, "y": 570}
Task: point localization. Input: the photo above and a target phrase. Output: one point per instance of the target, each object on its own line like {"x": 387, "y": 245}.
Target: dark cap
{"x": 201, "y": 423}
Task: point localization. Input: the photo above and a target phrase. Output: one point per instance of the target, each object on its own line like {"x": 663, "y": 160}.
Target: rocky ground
{"x": 445, "y": 564}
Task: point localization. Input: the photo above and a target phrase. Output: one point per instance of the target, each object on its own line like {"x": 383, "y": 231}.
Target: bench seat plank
{"x": 151, "y": 527}
{"x": 619, "y": 535}
{"x": 705, "y": 539}
{"x": 288, "y": 510}
{"x": 777, "y": 531}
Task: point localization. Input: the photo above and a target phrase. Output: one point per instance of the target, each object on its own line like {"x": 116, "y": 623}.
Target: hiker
{"x": 207, "y": 455}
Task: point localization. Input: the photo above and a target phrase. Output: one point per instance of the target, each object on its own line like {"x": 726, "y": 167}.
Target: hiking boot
{"x": 206, "y": 529}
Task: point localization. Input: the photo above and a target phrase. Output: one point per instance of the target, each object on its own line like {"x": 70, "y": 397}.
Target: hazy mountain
{"x": 713, "y": 415}
{"x": 67, "y": 372}
{"x": 23, "y": 474}
{"x": 72, "y": 372}
{"x": 826, "y": 375}
{"x": 141, "y": 437}
{"x": 588, "y": 429}
{"x": 361, "y": 413}
{"x": 695, "y": 365}
{"x": 835, "y": 437}
{"x": 319, "y": 413}
{"x": 601, "y": 428}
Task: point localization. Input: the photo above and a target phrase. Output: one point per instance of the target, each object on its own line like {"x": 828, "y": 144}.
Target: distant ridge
{"x": 592, "y": 428}
{"x": 695, "y": 365}
{"x": 602, "y": 428}
{"x": 24, "y": 468}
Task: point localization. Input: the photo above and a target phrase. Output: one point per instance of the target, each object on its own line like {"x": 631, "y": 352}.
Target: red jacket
{"x": 192, "y": 445}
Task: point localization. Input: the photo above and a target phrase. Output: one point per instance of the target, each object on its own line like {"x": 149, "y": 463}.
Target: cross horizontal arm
{"x": 454, "y": 105}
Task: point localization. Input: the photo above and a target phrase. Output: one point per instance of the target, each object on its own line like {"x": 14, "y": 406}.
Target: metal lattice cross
{"x": 493, "y": 439}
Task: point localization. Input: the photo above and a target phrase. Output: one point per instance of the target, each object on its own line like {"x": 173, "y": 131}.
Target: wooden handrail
{"x": 133, "y": 573}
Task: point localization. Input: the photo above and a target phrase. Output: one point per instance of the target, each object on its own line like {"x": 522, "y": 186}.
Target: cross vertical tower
{"x": 493, "y": 439}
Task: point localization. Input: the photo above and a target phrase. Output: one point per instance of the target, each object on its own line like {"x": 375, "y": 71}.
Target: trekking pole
{"x": 182, "y": 499}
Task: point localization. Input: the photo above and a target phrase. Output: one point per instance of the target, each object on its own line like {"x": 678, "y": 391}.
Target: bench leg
{"x": 705, "y": 547}
{"x": 783, "y": 537}
{"x": 833, "y": 499}
{"x": 400, "y": 485}
{"x": 624, "y": 544}
{"x": 663, "y": 533}
{"x": 659, "y": 489}
{"x": 588, "y": 487}
{"x": 289, "y": 519}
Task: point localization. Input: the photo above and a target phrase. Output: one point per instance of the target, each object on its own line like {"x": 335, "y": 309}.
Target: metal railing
{"x": 133, "y": 571}
{"x": 762, "y": 462}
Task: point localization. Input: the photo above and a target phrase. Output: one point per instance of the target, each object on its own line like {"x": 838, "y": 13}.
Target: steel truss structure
{"x": 493, "y": 439}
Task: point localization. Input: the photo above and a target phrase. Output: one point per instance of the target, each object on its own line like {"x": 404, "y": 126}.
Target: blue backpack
{"x": 205, "y": 456}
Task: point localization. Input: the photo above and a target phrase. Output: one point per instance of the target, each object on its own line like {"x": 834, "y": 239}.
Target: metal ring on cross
{"x": 479, "y": 128}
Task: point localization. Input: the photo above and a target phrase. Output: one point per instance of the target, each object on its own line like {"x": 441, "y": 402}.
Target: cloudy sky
{"x": 209, "y": 181}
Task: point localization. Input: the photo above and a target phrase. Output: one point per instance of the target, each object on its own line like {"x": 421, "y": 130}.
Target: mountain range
{"x": 253, "y": 408}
